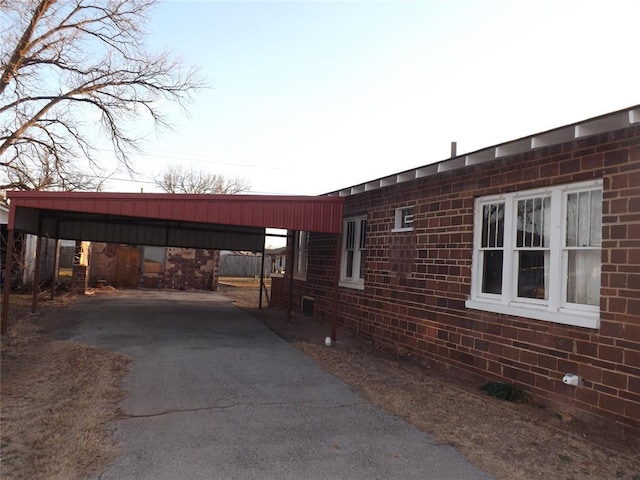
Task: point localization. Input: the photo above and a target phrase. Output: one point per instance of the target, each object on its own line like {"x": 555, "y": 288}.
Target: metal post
{"x": 289, "y": 268}
{"x": 336, "y": 281}
{"x": 7, "y": 283}
{"x": 54, "y": 275}
{"x": 36, "y": 274}
{"x": 261, "y": 277}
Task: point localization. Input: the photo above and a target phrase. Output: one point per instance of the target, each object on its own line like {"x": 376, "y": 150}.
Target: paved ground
{"x": 214, "y": 394}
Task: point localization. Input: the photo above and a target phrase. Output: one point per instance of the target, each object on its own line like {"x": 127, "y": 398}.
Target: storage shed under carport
{"x": 215, "y": 222}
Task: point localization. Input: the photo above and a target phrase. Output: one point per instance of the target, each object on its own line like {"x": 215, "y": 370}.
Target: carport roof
{"x": 181, "y": 220}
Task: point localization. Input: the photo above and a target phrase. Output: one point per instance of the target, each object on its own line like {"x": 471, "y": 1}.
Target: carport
{"x": 214, "y": 222}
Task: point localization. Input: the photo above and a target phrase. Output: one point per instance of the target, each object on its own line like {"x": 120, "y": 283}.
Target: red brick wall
{"x": 417, "y": 282}
{"x": 186, "y": 269}
{"x": 79, "y": 279}
{"x": 278, "y": 292}
{"x": 319, "y": 281}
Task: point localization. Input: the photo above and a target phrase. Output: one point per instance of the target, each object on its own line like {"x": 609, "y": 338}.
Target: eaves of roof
{"x": 592, "y": 126}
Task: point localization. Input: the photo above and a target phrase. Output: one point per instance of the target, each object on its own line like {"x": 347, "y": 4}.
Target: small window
{"x": 153, "y": 260}
{"x": 403, "y": 219}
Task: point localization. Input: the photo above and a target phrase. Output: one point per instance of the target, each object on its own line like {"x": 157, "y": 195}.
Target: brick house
{"x": 519, "y": 262}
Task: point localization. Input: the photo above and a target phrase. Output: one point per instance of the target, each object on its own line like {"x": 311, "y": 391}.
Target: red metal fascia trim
{"x": 17, "y": 194}
{"x": 322, "y": 214}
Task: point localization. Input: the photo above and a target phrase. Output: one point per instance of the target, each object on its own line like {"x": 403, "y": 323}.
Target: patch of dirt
{"x": 244, "y": 292}
{"x": 510, "y": 441}
{"x": 58, "y": 398}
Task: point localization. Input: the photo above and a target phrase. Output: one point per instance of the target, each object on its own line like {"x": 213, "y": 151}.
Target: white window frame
{"x": 555, "y": 308}
{"x": 301, "y": 257}
{"x": 359, "y": 253}
{"x": 399, "y": 220}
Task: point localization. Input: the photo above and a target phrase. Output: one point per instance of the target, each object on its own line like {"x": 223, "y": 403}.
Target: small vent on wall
{"x": 306, "y": 305}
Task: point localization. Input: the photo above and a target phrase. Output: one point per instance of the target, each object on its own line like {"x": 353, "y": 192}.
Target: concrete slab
{"x": 214, "y": 394}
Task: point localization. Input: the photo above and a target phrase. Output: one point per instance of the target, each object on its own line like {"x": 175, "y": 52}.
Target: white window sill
{"x": 563, "y": 316}
{"x": 404, "y": 229}
{"x": 351, "y": 284}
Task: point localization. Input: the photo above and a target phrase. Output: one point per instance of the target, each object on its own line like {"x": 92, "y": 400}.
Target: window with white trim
{"x": 353, "y": 252}
{"x": 537, "y": 254}
{"x": 301, "y": 254}
{"x": 403, "y": 219}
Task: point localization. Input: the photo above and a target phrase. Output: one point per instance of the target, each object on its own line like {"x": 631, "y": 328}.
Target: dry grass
{"x": 244, "y": 291}
{"x": 250, "y": 283}
{"x": 57, "y": 400}
{"x": 511, "y": 441}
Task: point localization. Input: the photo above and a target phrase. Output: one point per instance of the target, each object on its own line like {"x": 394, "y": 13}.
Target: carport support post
{"x": 336, "y": 281}
{"x": 261, "y": 278}
{"x": 54, "y": 275}
{"x": 7, "y": 283}
{"x": 36, "y": 275}
{"x": 289, "y": 268}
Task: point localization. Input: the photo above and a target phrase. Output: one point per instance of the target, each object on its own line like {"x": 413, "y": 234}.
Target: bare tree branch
{"x": 68, "y": 66}
{"x": 10, "y": 70}
{"x": 175, "y": 179}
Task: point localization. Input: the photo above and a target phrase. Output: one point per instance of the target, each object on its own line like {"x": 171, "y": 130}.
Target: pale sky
{"x": 308, "y": 97}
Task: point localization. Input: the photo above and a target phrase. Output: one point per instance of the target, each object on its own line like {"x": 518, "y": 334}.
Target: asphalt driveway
{"x": 214, "y": 394}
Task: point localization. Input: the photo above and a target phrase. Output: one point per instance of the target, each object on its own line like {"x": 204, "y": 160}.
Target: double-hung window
{"x": 537, "y": 254}
{"x": 353, "y": 252}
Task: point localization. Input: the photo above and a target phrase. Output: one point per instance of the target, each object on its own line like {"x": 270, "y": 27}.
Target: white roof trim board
{"x": 605, "y": 123}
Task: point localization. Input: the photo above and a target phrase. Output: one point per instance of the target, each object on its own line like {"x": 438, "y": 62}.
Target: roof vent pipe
{"x": 454, "y": 148}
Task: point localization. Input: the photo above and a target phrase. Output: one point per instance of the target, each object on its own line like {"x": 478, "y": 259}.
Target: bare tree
{"x": 175, "y": 179}
{"x": 46, "y": 174}
{"x": 66, "y": 67}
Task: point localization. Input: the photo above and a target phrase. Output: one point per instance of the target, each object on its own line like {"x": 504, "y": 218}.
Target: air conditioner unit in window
{"x": 408, "y": 219}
